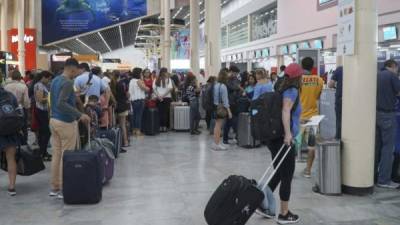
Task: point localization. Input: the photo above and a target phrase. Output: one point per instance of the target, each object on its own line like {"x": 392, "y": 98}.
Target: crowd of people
{"x": 60, "y": 107}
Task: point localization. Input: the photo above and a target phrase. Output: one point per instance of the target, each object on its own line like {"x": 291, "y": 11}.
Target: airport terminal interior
{"x": 199, "y": 112}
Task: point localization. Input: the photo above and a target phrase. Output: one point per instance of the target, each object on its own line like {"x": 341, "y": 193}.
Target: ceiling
{"x": 120, "y": 36}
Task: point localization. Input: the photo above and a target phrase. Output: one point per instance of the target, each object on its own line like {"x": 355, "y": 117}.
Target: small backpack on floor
{"x": 11, "y": 116}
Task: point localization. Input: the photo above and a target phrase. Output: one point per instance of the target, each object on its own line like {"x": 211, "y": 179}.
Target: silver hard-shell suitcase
{"x": 245, "y": 139}
{"x": 181, "y": 118}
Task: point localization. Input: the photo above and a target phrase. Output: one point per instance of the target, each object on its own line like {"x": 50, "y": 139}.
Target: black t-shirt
{"x": 121, "y": 97}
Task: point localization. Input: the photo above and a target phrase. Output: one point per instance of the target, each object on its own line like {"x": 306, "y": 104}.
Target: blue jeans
{"x": 138, "y": 108}
{"x": 384, "y": 145}
{"x": 230, "y": 123}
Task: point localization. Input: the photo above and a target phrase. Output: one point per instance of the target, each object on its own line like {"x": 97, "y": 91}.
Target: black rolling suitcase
{"x": 83, "y": 174}
{"x": 150, "y": 122}
{"x": 236, "y": 199}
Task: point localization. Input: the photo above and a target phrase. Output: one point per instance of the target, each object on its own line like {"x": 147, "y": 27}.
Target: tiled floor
{"x": 168, "y": 179}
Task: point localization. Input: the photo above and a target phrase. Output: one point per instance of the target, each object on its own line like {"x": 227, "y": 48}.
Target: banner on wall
{"x": 346, "y": 26}
{"x": 180, "y": 47}
{"x": 67, "y": 18}
{"x": 30, "y": 46}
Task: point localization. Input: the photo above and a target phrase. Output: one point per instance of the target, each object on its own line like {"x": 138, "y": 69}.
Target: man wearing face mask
{"x": 388, "y": 90}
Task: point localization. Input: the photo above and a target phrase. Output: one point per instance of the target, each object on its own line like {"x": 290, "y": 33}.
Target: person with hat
{"x": 291, "y": 112}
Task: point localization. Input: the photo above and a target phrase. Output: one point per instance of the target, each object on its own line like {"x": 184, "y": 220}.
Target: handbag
{"x": 222, "y": 112}
{"x": 29, "y": 161}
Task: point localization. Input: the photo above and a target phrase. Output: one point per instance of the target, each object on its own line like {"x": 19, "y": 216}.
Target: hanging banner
{"x": 67, "y": 18}
{"x": 180, "y": 46}
{"x": 30, "y": 46}
{"x": 346, "y": 26}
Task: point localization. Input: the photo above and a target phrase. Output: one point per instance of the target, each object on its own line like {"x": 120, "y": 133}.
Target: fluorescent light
{"x": 102, "y": 38}
{"x": 87, "y": 46}
{"x": 395, "y": 46}
{"x": 120, "y": 34}
{"x": 177, "y": 13}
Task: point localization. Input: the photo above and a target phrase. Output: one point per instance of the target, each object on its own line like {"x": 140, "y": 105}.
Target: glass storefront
{"x": 264, "y": 23}
{"x": 238, "y": 32}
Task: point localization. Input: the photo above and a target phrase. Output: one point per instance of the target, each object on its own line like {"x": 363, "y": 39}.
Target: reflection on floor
{"x": 168, "y": 179}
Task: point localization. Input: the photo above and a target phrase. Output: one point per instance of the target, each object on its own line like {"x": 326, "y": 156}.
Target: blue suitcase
{"x": 83, "y": 174}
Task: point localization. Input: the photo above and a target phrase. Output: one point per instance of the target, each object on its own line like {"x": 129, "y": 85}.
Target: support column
{"x": 21, "y": 34}
{"x": 166, "y": 44}
{"x": 213, "y": 38}
{"x": 4, "y": 24}
{"x": 359, "y": 87}
{"x": 194, "y": 37}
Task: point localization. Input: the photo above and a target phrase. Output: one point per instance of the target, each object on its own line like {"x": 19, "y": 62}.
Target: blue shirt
{"x": 292, "y": 94}
{"x": 95, "y": 87}
{"x": 388, "y": 88}
{"x": 250, "y": 91}
{"x": 62, "y": 99}
{"x": 221, "y": 95}
{"x": 397, "y": 147}
{"x": 338, "y": 77}
{"x": 261, "y": 89}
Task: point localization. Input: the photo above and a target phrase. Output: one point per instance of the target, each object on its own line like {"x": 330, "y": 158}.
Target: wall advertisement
{"x": 67, "y": 18}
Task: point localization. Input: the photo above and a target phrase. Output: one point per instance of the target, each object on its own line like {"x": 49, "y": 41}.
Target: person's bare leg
{"x": 122, "y": 124}
{"x": 284, "y": 208}
{"x": 12, "y": 166}
{"x": 310, "y": 160}
{"x": 217, "y": 131}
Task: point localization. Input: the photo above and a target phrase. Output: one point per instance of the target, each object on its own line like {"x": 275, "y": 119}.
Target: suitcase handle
{"x": 272, "y": 165}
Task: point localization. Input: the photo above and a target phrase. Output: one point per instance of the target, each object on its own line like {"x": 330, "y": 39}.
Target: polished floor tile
{"x": 168, "y": 179}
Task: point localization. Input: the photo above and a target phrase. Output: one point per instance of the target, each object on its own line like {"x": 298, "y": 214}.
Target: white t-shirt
{"x": 161, "y": 91}
{"x": 135, "y": 91}
{"x": 107, "y": 80}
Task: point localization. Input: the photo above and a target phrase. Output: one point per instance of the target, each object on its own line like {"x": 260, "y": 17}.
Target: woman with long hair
{"x": 264, "y": 85}
{"x": 291, "y": 111}
{"x": 222, "y": 108}
{"x": 137, "y": 92}
{"x": 41, "y": 93}
{"x": 163, "y": 92}
{"x": 192, "y": 92}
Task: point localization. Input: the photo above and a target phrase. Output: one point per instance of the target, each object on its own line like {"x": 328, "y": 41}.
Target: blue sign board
{"x": 67, "y": 18}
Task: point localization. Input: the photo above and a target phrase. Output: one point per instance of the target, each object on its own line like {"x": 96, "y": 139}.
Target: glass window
{"x": 264, "y": 23}
{"x": 324, "y": 4}
{"x": 238, "y": 32}
{"x": 224, "y": 37}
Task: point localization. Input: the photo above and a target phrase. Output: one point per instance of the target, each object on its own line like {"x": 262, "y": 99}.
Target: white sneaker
{"x": 53, "y": 193}
{"x": 222, "y": 147}
{"x": 391, "y": 185}
{"x": 233, "y": 141}
{"x": 60, "y": 196}
{"x": 219, "y": 147}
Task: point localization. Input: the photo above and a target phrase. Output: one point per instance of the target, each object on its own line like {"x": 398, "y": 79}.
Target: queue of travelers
{"x": 58, "y": 107}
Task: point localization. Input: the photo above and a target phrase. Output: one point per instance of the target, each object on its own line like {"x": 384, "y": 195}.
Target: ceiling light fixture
{"x": 120, "y": 34}
{"x": 87, "y": 46}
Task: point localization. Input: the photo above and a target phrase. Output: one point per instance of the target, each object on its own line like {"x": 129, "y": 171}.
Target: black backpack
{"x": 266, "y": 116}
{"x": 11, "y": 116}
{"x": 208, "y": 98}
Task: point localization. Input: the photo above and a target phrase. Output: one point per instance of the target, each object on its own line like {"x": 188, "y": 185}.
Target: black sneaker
{"x": 12, "y": 192}
{"x": 290, "y": 218}
{"x": 123, "y": 150}
{"x": 265, "y": 213}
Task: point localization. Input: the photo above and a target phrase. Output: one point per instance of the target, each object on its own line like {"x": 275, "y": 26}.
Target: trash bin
{"x": 328, "y": 179}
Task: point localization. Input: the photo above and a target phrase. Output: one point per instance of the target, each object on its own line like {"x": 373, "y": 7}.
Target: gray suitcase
{"x": 172, "y": 112}
{"x": 245, "y": 139}
{"x": 181, "y": 118}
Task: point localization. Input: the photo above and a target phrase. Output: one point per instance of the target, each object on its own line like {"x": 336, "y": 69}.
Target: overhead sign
{"x": 30, "y": 46}
{"x": 346, "y": 26}
{"x": 68, "y": 18}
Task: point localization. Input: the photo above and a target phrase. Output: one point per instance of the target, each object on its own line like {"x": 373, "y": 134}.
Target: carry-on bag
{"x": 236, "y": 199}
{"x": 83, "y": 175}
{"x": 172, "y": 112}
{"x": 105, "y": 147}
{"x": 182, "y": 118}
{"x": 114, "y": 134}
{"x": 150, "y": 122}
{"x": 29, "y": 161}
{"x": 245, "y": 137}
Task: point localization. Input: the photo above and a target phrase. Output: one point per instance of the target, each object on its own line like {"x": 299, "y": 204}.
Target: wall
{"x": 129, "y": 55}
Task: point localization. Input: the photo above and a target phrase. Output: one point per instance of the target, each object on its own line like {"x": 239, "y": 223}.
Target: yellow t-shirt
{"x": 310, "y": 92}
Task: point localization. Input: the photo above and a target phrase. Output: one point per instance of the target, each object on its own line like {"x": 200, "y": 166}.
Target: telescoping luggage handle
{"x": 272, "y": 166}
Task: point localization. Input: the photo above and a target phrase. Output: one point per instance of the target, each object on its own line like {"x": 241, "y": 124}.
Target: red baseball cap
{"x": 294, "y": 70}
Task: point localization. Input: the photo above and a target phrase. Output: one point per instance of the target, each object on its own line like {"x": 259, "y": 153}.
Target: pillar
{"x": 166, "y": 42}
{"x": 4, "y": 24}
{"x": 194, "y": 37}
{"x": 32, "y": 14}
{"x": 213, "y": 37}
{"x": 21, "y": 34}
{"x": 359, "y": 103}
